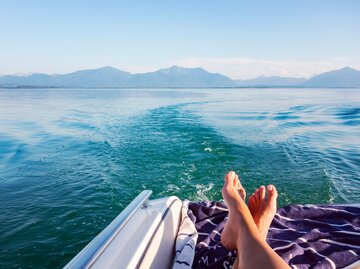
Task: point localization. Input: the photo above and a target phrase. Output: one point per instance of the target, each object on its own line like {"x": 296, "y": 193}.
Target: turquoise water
{"x": 71, "y": 160}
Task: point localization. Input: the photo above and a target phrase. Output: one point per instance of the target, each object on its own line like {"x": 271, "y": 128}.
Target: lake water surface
{"x": 71, "y": 160}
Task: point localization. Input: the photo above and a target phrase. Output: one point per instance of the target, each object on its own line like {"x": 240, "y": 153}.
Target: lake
{"x": 72, "y": 159}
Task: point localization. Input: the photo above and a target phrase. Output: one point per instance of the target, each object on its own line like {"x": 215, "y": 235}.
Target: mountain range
{"x": 175, "y": 77}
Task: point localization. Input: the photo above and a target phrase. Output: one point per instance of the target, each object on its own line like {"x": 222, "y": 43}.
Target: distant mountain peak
{"x": 347, "y": 68}
{"x": 344, "y": 77}
{"x": 107, "y": 68}
{"x": 172, "y": 69}
{"x": 177, "y": 77}
{"x": 176, "y": 67}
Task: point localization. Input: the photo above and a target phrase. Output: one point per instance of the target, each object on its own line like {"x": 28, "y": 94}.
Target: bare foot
{"x": 263, "y": 209}
{"x": 233, "y": 194}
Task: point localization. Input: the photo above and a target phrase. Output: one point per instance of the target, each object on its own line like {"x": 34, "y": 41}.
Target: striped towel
{"x": 305, "y": 236}
{"x": 185, "y": 241}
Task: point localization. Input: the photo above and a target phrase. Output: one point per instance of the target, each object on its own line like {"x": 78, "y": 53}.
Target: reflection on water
{"x": 71, "y": 160}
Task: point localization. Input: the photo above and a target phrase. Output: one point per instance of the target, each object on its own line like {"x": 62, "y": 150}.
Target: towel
{"x": 185, "y": 240}
{"x": 305, "y": 236}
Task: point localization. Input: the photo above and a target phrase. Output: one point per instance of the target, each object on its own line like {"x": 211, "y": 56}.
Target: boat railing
{"x": 96, "y": 247}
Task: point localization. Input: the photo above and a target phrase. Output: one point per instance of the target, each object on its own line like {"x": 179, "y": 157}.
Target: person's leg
{"x": 241, "y": 231}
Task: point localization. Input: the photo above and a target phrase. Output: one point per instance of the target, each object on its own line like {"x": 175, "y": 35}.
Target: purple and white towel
{"x": 308, "y": 236}
{"x": 185, "y": 241}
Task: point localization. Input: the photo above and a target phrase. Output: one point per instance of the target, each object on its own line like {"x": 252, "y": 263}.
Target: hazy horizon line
{"x": 130, "y": 70}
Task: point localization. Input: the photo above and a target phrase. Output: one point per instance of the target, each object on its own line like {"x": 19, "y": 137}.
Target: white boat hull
{"x": 142, "y": 236}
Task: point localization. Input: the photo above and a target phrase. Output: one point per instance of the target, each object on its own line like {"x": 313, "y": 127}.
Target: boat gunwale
{"x": 88, "y": 256}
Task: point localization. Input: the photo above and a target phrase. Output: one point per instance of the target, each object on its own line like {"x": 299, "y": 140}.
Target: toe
{"x": 236, "y": 182}
{"x": 272, "y": 192}
{"x": 242, "y": 194}
{"x": 243, "y": 190}
{"x": 257, "y": 195}
{"x": 251, "y": 200}
{"x": 229, "y": 178}
{"x": 262, "y": 193}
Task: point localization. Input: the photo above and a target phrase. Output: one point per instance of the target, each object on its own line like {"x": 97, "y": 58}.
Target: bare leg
{"x": 241, "y": 230}
{"x": 227, "y": 233}
{"x": 263, "y": 209}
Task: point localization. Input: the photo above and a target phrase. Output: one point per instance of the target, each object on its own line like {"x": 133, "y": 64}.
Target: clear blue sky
{"x": 238, "y": 38}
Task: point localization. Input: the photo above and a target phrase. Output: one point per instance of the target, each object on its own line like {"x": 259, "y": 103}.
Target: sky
{"x": 240, "y": 39}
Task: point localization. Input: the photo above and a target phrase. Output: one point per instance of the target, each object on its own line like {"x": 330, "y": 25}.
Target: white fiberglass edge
{"x": 142, "y": 236}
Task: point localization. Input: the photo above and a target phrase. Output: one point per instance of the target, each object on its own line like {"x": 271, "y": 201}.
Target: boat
{"x": 146, "y": 232}
{"x": 143, "y": 235}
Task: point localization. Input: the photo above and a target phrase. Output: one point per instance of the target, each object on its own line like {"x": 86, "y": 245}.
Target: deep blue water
{"x": 71, "y": 160}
